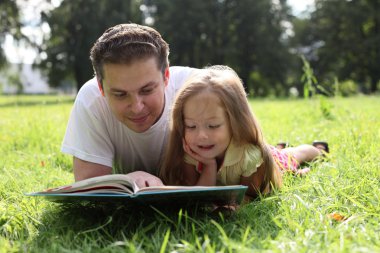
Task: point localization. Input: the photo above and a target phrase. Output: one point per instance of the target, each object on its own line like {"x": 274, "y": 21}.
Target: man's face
{"x": 136, "y": 92}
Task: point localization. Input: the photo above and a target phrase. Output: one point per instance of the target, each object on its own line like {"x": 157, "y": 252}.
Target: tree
{"x": 193, "y": 30}
{"x": 256, "y": 37}
{"x": 9, "y": 25}
{"x": 75, "y": 26}
{"x": 247, "y": 35}
{"x": 347, "y": 35}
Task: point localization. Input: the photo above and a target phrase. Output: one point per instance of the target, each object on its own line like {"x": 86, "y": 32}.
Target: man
{"x": 119, "y": 122}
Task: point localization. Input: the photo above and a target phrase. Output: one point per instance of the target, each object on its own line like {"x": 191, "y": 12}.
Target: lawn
{"x": 333, "y": 209}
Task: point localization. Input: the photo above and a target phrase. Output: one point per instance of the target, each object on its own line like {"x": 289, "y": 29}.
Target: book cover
{"x": 119, "y": 188}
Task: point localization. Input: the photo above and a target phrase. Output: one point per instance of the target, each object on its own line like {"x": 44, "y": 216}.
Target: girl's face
{"x": 207, "y": 129}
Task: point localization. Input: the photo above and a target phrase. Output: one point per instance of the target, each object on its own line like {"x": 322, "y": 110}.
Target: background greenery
{"x": 260, "y": 39}
{"x": 334, "y": 209}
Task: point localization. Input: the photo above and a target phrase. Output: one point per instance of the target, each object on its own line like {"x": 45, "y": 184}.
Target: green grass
{"x": 295, "y": 219}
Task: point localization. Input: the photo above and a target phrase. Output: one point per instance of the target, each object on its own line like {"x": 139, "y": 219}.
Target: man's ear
{"x": 166, "y": 76}
{"x": 100, "y": 87}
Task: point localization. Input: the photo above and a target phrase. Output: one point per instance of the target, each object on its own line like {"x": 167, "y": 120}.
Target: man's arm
{"x": 84, "y": 170}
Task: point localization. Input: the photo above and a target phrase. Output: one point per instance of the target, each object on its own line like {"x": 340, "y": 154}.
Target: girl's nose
{"x": 202, "y": 134}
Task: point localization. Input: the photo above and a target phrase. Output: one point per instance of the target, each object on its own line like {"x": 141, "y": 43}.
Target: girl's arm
{"x": 254, "y": 181}
{"x": 206, "y": 178}
{"x": 208, "y": 174}
{"x": 190, "y": 175}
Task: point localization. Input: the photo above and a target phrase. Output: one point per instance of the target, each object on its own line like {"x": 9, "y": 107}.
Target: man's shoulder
{"x": 90, "y": 86}
{"x": 89, "y": 95}
{"x": 180, "y": 70}
{"x": 89, "y": 91}
{"x": 178, "y": 76}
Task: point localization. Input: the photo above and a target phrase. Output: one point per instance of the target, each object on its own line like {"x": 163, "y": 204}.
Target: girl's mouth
{"x": 206, "y": 147}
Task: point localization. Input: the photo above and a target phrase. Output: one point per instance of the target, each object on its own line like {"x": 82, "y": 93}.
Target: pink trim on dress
{"x": 285, "y": 161}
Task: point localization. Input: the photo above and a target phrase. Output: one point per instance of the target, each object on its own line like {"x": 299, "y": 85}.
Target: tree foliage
{"x": 340, "y": 38}
{"x": 343, "y": 38}
{"x": 247, "y": 35}
{"x": 75, "y": 26}
{"x": 9, "y": 25}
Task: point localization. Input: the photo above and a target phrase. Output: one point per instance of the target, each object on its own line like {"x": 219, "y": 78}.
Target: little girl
{"x": 221, "y": 138}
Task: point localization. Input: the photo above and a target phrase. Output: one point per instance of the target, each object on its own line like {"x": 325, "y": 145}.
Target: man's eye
{"x": 119, "y": 94}
{"x": 146, "y": 91}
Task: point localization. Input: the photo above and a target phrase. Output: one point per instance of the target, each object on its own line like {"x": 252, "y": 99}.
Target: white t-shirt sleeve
{"x": 86, "y": 134}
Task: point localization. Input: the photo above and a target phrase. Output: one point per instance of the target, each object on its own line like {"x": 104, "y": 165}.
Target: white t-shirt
{"x": 94, "y": 134}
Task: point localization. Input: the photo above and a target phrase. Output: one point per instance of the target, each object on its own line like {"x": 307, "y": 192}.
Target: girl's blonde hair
{"x": 245, "y": 129}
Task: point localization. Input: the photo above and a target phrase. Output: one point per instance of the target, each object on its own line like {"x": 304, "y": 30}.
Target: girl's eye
{"x": 213, "y": 126}
{"x": 189, "y": 127}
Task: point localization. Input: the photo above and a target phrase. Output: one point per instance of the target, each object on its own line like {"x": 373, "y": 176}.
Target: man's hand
{"x": 84, "y": 170}
{"x": 144, "y": 179}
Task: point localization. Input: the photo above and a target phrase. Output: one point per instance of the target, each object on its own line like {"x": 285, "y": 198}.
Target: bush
{"x": 348, "y": 88}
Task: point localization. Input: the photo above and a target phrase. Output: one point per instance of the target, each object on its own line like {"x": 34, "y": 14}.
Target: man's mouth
{"x": 139, "y": 119}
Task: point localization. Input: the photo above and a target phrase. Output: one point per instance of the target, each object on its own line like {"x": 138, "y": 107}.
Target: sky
{"x": 299, "y": 6}
{"x": 21, "y": 54}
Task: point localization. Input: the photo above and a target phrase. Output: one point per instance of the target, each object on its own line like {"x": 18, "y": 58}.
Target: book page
{"x": 116, "y": 182}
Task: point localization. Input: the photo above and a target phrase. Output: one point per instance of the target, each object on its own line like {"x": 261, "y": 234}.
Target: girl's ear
{"x": 166, "y": 76}
{"x": 100, "y": 87}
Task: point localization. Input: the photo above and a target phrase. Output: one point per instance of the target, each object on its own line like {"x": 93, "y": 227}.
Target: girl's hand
{"x": 198, "y": 157}
{"x": 207, "y": 176}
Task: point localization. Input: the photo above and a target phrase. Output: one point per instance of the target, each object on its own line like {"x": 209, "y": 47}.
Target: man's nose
{"x": 136, "y": 104}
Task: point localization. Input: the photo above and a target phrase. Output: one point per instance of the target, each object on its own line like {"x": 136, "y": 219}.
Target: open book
{"x": 120, "y": 187}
